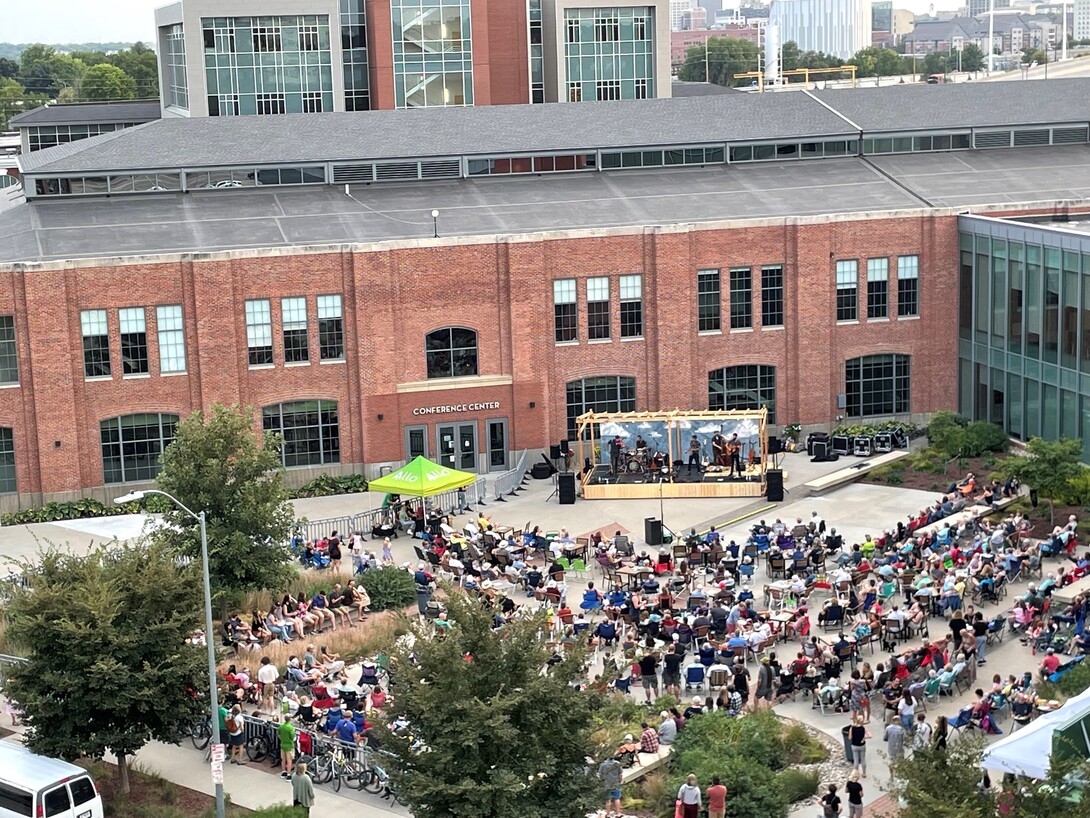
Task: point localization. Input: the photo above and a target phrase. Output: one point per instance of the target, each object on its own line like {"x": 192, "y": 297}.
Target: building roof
{"x": 918, "y": 106}
{"x": 89, "y": 113}
{"x": 681, "y": 88}
{"x": 443, "y": 132}
{"x": 207, "y": 221}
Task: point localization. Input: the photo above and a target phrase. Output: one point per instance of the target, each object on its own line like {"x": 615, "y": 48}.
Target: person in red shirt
{"x": 1049, "y": 663}
{"x": 717, "y": 799}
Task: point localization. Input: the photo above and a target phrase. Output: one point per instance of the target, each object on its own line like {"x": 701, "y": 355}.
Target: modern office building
{"x": 982, "y": 7}
{"x": 243, "y": 57}
{"x": 677, "y": 11}
{"x": 1080, "y": 27}
{"x": 60, "y": 124}
{"x": 798, "y": 251}
{"x": 839, "y": 27}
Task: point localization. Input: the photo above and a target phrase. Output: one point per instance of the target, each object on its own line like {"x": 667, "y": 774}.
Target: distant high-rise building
{"x": 677, "y": 12}
{"x": 694, "y": 19}
{"x": 838, "y": 27}
{"x": 979, "y": 7}
{"x": 1080, "y": 29}
{"x": 881, "y": 15}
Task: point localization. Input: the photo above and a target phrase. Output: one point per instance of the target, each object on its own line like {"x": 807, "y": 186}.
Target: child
{"x": 387, "y": 554}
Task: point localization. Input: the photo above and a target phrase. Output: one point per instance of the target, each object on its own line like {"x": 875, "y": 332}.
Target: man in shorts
{"x": 671, "y": 671}
{"x": 286, "y": 733}
{"x": 610, "y": 773}
{"x": 649, "y": 673}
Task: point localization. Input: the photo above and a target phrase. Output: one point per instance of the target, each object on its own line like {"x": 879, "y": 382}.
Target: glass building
{"x": 537, "y": 53}
{"x": 1024, "y": 327}
{"x": 609, "y": 53}
{"x": 433, "y": 53}
{"x": 176, "y": 84}
{"x": 357, "y": 86}
{"x": 267, "y": 65}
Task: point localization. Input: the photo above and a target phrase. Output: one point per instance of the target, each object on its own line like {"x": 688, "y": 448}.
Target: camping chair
{"x": 996, "y": 626}
{"x": 622, "y": 685}
{"x": 962, "y": 721}
{"x": 931, "y": 689}
{"x": 694, "y": 677}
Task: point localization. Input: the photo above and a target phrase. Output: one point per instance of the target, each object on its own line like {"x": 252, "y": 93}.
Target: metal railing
{"x": 508, "y": 482}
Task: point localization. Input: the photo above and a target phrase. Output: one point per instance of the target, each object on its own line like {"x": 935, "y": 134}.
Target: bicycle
{"x": 263, "y": 744}
{"x": 200, "y": 733}
{"x": 336, "y": 766}
{"x": 377, "y": 780}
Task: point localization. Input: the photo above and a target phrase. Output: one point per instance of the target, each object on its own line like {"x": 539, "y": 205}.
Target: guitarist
{"x": 734, "y": 454}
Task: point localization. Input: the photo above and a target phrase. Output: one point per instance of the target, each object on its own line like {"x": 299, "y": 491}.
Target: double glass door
{"x": 458, "y": 446}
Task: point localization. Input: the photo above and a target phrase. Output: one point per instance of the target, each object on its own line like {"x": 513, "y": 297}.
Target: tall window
{"x": 451, "y": 353}
{"x": 132, "y": 444}
{"x": 908, "y": 286}
{"x": 878, "y": 288}
{"x": 134, "y": 341}
{"x": 310, "y": 430}
{"x": 631, "y": 306}
{"x": 878, "y": 385}
{"x": 96, "y": 343}
{"x": 8, "y": 483}
{"x": 9, "y": 351}
{"x": 174, "y": 73}
{"x": 259, "y": 332}
{"x": 171, "y": 328}
{"x": 772, "y": 296}
{"x": 847, "y": 296}
{"x": 608, "y": 393}
{"x": 743, "y": 387}
{"x": 598, "y": 309}
{"x": 741, "y": 298}
{"x": 330, "y": 328}
{"x": 708, "y": 301}
{"x": 564, "y": 311}
{"x": 268, "y": 38}
{"x": 293, "y": 316}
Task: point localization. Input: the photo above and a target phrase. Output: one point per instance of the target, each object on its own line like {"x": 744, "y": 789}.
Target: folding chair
{"x": 963, "y": 721}
{"x": 694, "y": 677}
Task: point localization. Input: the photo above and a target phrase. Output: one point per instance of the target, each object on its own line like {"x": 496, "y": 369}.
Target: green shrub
{"x": 1078, "y": 493}
{"x": 1072, "y": 683}
{"x": 797, "y": 785}
{"x": 982, "y": 437}
{"x": 754, "y": 789}
{"x": 389, "y": 587}
{"x": 326, "y": 485}
{"x": 802, "y": 748}
{"x": 80, "y": 509}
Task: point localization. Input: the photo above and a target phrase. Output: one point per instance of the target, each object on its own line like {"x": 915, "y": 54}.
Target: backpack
{"x": 231, "y": 724}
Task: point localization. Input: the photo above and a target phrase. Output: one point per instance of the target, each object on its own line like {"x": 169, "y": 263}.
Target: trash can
{"x": 846, "y": 733}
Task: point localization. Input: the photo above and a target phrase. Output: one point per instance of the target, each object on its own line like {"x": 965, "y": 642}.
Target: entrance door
{"x": 497, "y": 445}
{"x": 416, "y": 441}
{"x": 458, "y": 446}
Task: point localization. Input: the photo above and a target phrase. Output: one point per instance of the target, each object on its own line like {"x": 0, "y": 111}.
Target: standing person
{"x": 938, "y": 737}
{"x": 609, "y": 771}
{"x": 688, "y": 795}
{"x": 615, "y": 447}
{"x": 302, "y": 789}
{"x": 980, "y": 632}
{"x": 267, "y": 675}
{"x": 895, "y": 738}
{"x": 717, "y": 799}
{"x": 286, "y": 734}
{"x": 765, "y": 683}
{"x": 858, "y": 736}
{"x": 830, "y": 803}
{"x": 694, "y": 453}
{"x": 387, "y": 552}
{"x": 357, "y": 553}
{"x": 906, "y": 711}
{"x": 921, "y": 739}
{"x": 236, "y": 735}
{"x": 649, "y": 674}
{"x": 333, "y": 545}
{"x": 855, "y": 796}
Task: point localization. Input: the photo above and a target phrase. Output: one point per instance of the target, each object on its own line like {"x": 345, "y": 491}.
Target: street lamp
{"x": 435, "y": 224}
{"x": 213, "y": 693}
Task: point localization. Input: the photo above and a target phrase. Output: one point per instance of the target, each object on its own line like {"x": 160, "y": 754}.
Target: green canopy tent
{"x": 422, "y": 478}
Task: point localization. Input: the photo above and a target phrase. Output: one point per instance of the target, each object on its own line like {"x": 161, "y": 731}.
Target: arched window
{"x": 451, "y": 352}
{"x": 131, "y": 445}
{"x": 310, "y": 429}
{"x": 878, "y": 385}
{"x": 749, "y": 386}
{"x": 607, "y": 393}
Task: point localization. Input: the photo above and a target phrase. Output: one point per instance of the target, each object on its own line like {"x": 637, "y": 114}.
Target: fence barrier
{"x": 510, "y": 481}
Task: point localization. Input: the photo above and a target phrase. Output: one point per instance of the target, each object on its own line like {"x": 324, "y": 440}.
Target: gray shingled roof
{"x": 962, "y": 105}
{"x": 445, "y": 132}
{"x": 90, "y": 113}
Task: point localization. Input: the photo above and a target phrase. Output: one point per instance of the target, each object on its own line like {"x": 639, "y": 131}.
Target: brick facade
{"x": 393, "y": 295}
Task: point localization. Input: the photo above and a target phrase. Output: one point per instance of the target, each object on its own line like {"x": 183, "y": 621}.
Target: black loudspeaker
{"x": 774, "y": 485}
{"x": 554, "y": 452}
{"x": 819, "y": 450}
{"x": 652, "y": 530}
{"x": 563, "y": 447}
{"x": 775, "y": 446}
{"x": 565, "y": 486}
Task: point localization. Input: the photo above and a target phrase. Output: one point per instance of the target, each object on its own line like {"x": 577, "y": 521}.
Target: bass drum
{"x": 634, "y": 465}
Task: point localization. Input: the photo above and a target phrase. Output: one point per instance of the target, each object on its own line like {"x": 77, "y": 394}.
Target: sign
{"x": 456, "y": 407}
{"x": 217, "y": 772}
{"x": 219, "y": 753}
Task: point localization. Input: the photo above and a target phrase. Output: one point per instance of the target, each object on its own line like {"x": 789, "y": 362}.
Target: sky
{"x": 77, "y": 21}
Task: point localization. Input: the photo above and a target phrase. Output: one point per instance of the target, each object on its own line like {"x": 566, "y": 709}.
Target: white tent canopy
{"x": 1028, "y": 751}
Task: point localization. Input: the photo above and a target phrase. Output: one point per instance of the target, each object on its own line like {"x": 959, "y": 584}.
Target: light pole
{"x": 213, "y": 691}
{"x": 435, "y": 224}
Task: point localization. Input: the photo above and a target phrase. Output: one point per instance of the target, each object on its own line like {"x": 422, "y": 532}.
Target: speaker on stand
{"x": 566, "y": 488}
{"x": 774, "y": 485}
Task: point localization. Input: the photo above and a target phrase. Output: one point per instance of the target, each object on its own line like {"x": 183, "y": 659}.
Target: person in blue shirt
{"x": 712, "y": 537}
{"x": 346, "y": 729}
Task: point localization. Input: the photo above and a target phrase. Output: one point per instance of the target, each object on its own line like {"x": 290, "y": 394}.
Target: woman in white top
{"x": 689, "y": 796}
{"x": 906, "y": 710}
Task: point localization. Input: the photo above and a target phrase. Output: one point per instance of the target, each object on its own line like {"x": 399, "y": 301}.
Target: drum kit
{"x": 643, "y": 461}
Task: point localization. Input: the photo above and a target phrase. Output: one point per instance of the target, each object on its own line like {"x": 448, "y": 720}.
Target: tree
{"x": 934, "y": 63}
{"x": 960, "y": 796}
{"x": 218, "y": 464}
{"x": 1030, "y": 56}
{"x": 489, "y": 732}
{"x": 45, "y": 71}
{"x": 14, "y": 100}
{"x": 105, "y": 81}
{"x": 876, "y": 61}
{"x": 724, "y": 57}
{"x": 108, "y": 667}
{"x": 972, "y": 58}
{"x": 1048, "y": 467}
{"x": 139, "y": 62}
{"x": 8, "y": 68}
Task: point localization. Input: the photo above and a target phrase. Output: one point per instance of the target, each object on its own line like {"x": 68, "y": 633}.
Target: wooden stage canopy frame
{"x": 678, "y": 423}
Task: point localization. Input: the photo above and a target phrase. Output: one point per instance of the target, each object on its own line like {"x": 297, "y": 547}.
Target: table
{"x": 781, "y": 619}
{"x": 1066, "y": 595}
{"x": 633, "y": 573}
{"x": 573, "y": 549}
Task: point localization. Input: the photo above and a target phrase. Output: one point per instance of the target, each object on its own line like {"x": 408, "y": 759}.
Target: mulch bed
{"x": 151, "y": 791}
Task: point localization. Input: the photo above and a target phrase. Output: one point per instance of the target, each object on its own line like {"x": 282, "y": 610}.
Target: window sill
{"x": 710, "y": 332}
{"x": 741, "y": 330}
{"x": 601, "y": 341}
{"x": 331, "y": 361}
{"x": 877, "y": 320}
{"x": 773, "y": 328}
{"x": 15, "y": 385}
{"x": 567, "y": 343}
{"x": 848, "y": 323}
{"x": 173, "y": 374}
{"x": 633, "y": 338}
{"x": 136, "y": 376}
{"x": 99, "y": 378}
{"x": 296, "y": 364}
{"x": 908, "y": 318}
{"x": 262, "y": 366}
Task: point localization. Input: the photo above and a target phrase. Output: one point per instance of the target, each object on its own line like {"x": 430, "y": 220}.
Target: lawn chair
{"x": 931, "y": 689}
{"x": 694, "y": 677}
{"x": 996, "y": 626}
{"x": 962, "y": 721}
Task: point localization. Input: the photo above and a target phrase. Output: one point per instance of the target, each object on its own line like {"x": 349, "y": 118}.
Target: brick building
{"x": 388, "y": 297}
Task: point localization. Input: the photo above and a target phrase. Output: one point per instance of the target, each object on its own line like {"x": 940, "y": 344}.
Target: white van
{"x": 33, "y": 786}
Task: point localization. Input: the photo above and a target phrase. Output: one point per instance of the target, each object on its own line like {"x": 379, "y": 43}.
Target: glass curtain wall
{"x": 433, "y": 53}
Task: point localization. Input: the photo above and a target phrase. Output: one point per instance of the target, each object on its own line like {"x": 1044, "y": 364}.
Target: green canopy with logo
{"x": 422, "y": 478}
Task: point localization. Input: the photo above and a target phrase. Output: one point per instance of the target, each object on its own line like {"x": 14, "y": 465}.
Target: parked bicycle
{"x": 339, "y": 765}
{"x": 377, "y": 780}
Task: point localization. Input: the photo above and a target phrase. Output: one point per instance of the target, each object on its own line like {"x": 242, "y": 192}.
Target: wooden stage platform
{"x": 632, "y": 487}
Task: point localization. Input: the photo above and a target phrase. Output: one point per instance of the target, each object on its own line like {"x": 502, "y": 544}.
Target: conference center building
{"x": 465, "y": 282}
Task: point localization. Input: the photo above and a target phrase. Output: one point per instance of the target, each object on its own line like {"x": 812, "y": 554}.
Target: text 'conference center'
{"x": 464, "y": 282}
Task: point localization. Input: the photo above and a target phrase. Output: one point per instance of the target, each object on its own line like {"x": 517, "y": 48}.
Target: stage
{"x": 659, "y": 466}
{"x": 604, "y": 485}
